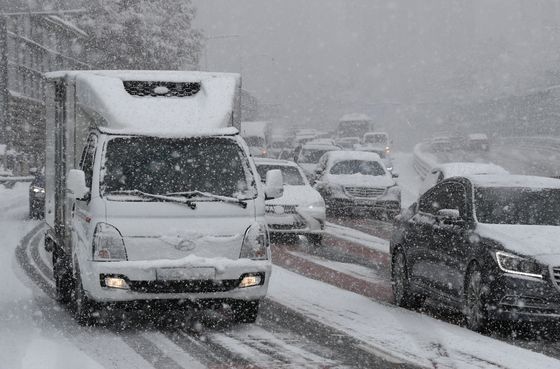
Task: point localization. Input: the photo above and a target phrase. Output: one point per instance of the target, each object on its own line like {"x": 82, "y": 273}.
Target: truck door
{"x": 60, "y": 160}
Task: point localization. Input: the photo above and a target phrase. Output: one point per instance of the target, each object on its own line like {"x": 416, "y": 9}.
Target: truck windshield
{"x": 161, "y": 166}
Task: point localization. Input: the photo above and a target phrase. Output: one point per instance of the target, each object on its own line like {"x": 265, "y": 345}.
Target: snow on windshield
{"x": 163, "y": 166}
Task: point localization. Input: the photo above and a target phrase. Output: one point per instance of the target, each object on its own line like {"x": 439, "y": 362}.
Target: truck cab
{"x": 151, "y": 193}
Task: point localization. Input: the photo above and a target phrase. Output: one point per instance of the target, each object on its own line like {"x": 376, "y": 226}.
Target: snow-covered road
{"x": 336, "y": 311}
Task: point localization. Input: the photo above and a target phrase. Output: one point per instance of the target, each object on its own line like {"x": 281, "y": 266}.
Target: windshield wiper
{"x": 228, "y": 199}
{"x": 189, "y": 203}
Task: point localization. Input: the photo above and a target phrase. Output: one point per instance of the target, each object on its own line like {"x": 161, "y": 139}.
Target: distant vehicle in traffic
{"x": 354, "y": 125}
{"x": 478, "y": 142}
{"x": 448, "y": 170}
{"x": 256, "y": 135}
{"x": 441, "y": 143}
{"x": 377, "y": 142}
{"x": 357, "y": 180}
{"x": 484, "y": 245}
{"x": 37, "y": 196}
{"x": 309, "y": 154}
{"x": 348, "y": 143}
{"x": 301, "y": 209}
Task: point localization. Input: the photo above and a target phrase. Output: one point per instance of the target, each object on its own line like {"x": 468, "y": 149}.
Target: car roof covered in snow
{"x": 477, "y": 136}
{"x": 510, "y": 180}
{"x": 353, "y": 117}
{"x": 268, "y": 161}
{"x": 336, "y": 156}
{"x": 206, "y": 111}
{"x": 319, "y": 146}
{"x": 468, "y": 168}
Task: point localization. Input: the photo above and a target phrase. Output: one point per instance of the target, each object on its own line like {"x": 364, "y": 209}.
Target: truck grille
{"x": 161, "y": 89}
{"x": 555, "y": 275}
{"x": 196, "y": 286}
{"x": 364, "y": 191}
{"x": 288, "y": 209}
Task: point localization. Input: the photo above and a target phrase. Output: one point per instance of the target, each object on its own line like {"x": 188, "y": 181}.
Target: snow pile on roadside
{"x": 403, "y": 335}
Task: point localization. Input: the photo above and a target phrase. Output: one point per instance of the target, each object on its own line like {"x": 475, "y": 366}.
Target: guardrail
{"x": 10, "y": 181}
{"x": 549, "y": 145}
{"x": 423, "y": 161}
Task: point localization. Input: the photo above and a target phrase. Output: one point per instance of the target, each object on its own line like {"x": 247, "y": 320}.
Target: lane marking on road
{"x": 173, "y": 351}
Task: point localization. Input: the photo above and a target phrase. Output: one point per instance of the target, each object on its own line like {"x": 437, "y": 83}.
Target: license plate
{"x": 179, "y": 274}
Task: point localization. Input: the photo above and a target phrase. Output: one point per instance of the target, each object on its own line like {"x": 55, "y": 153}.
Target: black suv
{"x": 37, "y": 196}
{"x": 488, "y": 246}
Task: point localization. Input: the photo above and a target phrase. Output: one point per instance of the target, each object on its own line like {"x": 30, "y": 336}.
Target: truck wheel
{"x": 245, "y": 311}
{"x": 84, "y": 307}
{"x": 62, "y": 273}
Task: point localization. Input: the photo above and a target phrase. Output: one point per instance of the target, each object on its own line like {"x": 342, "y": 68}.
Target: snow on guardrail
{"x": 423, "y": 161}
{"x": 547, "y": 145}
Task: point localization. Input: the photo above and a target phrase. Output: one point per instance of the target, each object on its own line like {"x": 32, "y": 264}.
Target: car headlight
{"x": 514, "y": 264}
{"x": 37, "y": 189}
{"x": 108, "y": 244}
{"x": 316, "y": 205}
{"x": 255, "y": 243}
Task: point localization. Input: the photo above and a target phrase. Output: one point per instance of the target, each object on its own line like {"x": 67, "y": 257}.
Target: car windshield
{"x": 365, "y": 167}
{"x": 526, "y": 206}
{"x": 311, "y": 156}
{"x": 291, "y": 174}
{"x": 161, "y": 166}
{"x": 254, "y": 141}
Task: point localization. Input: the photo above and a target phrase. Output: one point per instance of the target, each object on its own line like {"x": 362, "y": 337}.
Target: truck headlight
{"x": 37, "y": 189}
{"x": 108, "y": 244}
{"x": 514, "y": 264}
{"x": 255, "y": 243}
{"x": 394, "y": 190}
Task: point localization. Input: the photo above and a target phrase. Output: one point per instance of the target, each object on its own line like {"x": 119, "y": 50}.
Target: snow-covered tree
{"x": 141, "y": 34}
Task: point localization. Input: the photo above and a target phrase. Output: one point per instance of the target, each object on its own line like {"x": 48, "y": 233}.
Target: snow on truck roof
{"x": 353, "y": 117}
{"x": 165, "y": 103}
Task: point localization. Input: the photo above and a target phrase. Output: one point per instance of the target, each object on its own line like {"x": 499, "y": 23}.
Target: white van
{"x": 151, "y": 194}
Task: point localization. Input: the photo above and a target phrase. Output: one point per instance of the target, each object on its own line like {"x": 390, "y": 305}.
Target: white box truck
{"x": 151, "y": 194}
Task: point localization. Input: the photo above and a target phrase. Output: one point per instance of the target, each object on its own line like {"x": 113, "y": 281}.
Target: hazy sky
{"x": 321, "y": 58}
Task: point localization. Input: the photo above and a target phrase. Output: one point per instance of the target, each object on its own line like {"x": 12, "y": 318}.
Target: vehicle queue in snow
{"x": 143, "y": 205}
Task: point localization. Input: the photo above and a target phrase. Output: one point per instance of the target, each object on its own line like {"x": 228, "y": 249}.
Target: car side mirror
{"x": 76, "y": 184}
{"x": 274, "y": 184}
{"x": 450, "y": 216}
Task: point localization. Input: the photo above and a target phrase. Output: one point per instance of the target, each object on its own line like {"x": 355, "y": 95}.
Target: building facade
{"x": 30, "y": 45}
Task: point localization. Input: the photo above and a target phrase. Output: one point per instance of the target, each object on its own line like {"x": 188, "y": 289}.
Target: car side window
{"x": 427, "y": 201}
{"x": 451, "y": 195}
{"x": 88, "y": 157}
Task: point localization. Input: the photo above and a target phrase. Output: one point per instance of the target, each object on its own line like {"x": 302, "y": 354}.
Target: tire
{"x": 62, "y": 273}
{"x": 315, "y": 239}
{"x": 475, "y": 308}
{"x": 404, "y": 297}
{"x": 84, "y": 307}
{"x": 245, "y": 311}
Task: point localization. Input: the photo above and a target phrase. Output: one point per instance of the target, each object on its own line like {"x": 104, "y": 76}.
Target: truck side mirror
{"x": 274, "y": 184}
{"x": 76, "y": 184}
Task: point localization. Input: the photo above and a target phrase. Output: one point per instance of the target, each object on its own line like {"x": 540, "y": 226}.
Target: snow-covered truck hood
{"x": 360, "y": 180}
{"x": 297, "y": 195}
{"x": 538, "y": 241}
{"x": 163, "y": 230}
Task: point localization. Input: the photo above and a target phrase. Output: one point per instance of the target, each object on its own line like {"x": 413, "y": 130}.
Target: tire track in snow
{"x": 26, "y": 254}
